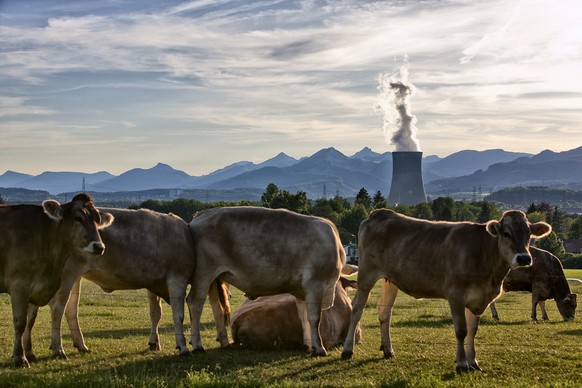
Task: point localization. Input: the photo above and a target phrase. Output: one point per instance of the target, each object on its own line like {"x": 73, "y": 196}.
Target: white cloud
{"x": 301, "y": 71}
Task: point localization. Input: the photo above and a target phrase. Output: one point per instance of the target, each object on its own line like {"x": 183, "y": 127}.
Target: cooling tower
{"x": 407, "y": 187}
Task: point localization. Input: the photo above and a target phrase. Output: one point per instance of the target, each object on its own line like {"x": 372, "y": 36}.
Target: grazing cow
{"x": 272, "y": 322}
{"x": 35, "y": 242}
{"x": 545, "y": 279}
{"x": 145, "y": 249}
{"x": 267, "y": 252}
{"x": 462, "y": 262}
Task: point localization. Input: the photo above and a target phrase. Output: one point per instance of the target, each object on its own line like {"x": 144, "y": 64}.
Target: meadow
{"x": 513, "y": 352}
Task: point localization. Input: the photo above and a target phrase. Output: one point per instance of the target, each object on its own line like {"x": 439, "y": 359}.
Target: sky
{"x": 112, "y": 85}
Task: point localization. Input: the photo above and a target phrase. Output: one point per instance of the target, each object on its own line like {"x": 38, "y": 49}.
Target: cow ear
{"x": 53, "y": 209}
{"x": 106, "y": 220}
{"x": 540, "y": 229}
{"x": 494, "y": 228}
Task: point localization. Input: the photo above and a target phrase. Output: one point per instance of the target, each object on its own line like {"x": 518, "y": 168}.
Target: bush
{"x": 571, "y": 261}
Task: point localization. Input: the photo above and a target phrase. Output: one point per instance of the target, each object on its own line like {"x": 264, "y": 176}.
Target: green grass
{"x": 513, "y": 352}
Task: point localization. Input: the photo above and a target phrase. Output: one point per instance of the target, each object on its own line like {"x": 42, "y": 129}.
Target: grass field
{"x": 513, "y": 352}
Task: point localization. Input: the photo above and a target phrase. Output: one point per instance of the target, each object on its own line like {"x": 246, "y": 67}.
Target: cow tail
{"x": 224, "y": 300}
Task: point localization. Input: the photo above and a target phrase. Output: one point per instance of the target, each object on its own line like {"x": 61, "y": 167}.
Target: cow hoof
{"x": 198, "y": 351}
{"x": 21, "y": 363}
{"x": 31, "y": 357}
{"x": 462, "y": 369}
{"x": 154, "y": 346}
{"x": 60, "y": 355}
{"x": 318, "y": 353}
{"x": 475, "y": 367}
{"x": 346, "y": 354}
{"x": 388, "y": 355}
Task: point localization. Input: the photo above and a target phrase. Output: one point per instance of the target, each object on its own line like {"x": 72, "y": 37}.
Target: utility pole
{"x": 84, "y": 185}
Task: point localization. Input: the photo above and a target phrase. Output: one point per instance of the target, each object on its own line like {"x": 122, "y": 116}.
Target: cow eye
{"x": 79, "y": 219}
{"x": 507, "y": 234}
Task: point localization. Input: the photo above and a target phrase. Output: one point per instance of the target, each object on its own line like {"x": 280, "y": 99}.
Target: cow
{"x": 462, "y": 262}
{"x": 267, "y": 252}
{"x": 272, "y": 322}
{"x": 145, "y": 249}
{"x": 545, "y": 279}
{"x": 35, "y": 243}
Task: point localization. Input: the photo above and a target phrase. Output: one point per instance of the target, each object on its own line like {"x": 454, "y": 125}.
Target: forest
{"x": 348, "y": 214}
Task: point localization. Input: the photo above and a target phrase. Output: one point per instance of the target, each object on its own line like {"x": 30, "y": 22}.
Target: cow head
{"x": 79, "y": 222}
{"x": 514, "y": 232}
{"x": 567, "y": 307}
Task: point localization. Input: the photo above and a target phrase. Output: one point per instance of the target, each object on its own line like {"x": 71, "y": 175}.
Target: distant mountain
{"x": 329, "y": 172}
{"x": 235, "y": 169}
{"x": 158, "y": 177}
{"x": 13, "y": 179}
{"x": 340, "y": 175}
{"x": 468, "y": 161}
{"x": 547, "y": 168}
{"x": 281, "y": 160}
{"x": 59, "y": 182}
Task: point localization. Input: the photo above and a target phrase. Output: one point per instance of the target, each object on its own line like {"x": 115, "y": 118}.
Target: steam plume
{"x": 394, "y": 93}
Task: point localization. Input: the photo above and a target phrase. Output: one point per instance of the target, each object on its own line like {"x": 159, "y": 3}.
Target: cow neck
{"x": 499, "y": 268}
{"x": 55, "y": 246}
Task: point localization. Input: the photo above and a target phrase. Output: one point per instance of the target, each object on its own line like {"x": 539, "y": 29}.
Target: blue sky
{"x": 118, "y": 84}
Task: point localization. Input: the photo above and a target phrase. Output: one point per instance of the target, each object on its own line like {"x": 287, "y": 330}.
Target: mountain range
{"x": 329, "y": 172}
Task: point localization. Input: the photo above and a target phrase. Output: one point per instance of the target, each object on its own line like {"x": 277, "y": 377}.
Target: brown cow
{"x": 462, "y": 262}
{"x": 35, "y": 242}
{"x": 267, "y": 252}
{"x": 545, "y": 279}
{"x": 145, "y": 249}
{"x": 272, "y": 322}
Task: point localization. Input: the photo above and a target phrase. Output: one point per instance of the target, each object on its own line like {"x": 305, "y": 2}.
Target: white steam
{"x": 394, "y": 92}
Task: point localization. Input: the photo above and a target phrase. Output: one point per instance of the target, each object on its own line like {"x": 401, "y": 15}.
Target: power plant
{"x": 407, "y": 186}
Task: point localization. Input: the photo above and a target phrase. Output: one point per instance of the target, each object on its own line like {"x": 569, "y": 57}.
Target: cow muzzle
{"x": 95, "y": 247}
{"x": 520, "y": 260}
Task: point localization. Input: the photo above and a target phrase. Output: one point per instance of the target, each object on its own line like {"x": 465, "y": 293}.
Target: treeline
{"x": 348, "y": 214}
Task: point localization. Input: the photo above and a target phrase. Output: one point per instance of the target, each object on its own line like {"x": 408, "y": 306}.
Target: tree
{"x": 271, "y": 191}
{"x": 352, "y": 219}
{"x": 552, "y": 243}
{"x": 364, "y": 198}
{"x": 379, "y": 201}
{"x": 442, "y": 209}
{"x": 576, "y": 228}
{"x": 423, "y": 210}
{"x": 488, "y": 212}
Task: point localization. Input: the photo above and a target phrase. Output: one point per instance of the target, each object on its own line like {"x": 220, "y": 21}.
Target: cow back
{"x": 144, "y": 250}
{"x": 265, "y": 251}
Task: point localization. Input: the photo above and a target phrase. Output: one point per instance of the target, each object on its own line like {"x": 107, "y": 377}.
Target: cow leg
{"x": 534, "y": 306}
{"x": 195, "y": 300}
{"x": 460, "y": 324}
{"x": 220, "y": 311}
{"x": 385, "y": 304}
{"x": 155, "y": 303}
{"x": 543, "y": 308}
{"x": 313, "y": 307}
{"x": 19, "y": 311}
{"x": 26, "y": 338}
{"x": 472, "y": 326}
{"x": 302, "y": 311}
{"x": 360, "y": 300}
{"x": 71, "y": 311}
{"x": 494, "y": 313}
{"x": 177, "y": 296}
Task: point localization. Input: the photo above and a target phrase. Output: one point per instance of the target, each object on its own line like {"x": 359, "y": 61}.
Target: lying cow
{"x": 272, "y": 322}
{"x": 145, "y": 249}
{"x": 462, "y": 262}
{"x": 267, "y": 252}
{"x": 545, "y": 279}
{"x": 35, "y": 243}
